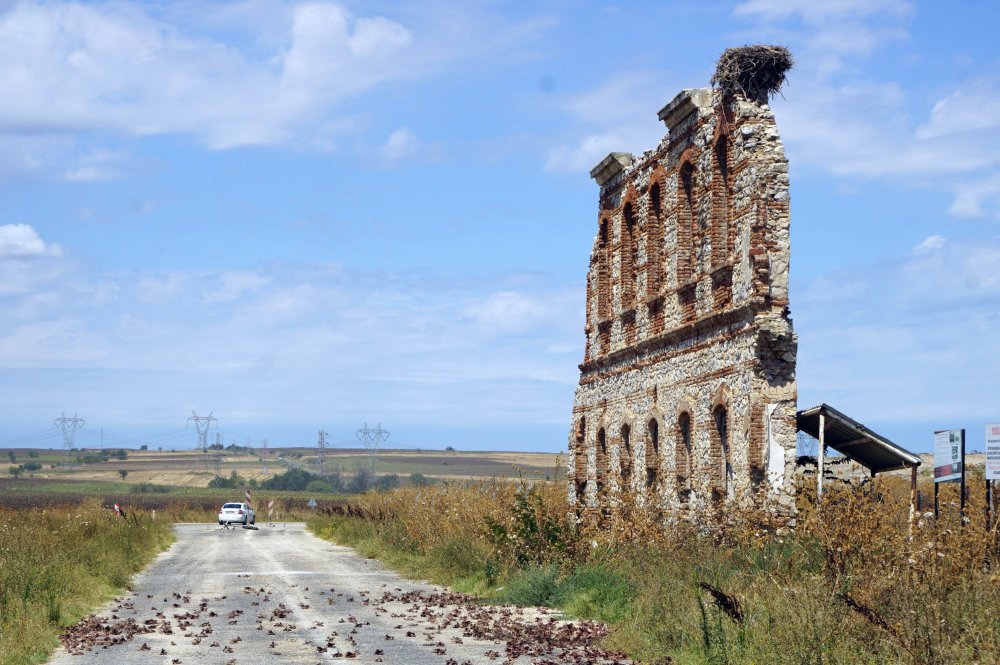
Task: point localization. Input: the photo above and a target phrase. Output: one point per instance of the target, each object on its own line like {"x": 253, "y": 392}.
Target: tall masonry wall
{"x": 687, "y": 388}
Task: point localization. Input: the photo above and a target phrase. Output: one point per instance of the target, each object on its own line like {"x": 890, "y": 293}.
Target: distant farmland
{"x": 189, "y": 468}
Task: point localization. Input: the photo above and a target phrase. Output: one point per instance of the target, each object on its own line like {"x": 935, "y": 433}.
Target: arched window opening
{"x": 625, "y": 456}
{"x": 603, "y": 273}
{"x": 720, "y": 203}
{"x": 581, "y": 450}
{"x": 652, "y": 453}
{"x": 627, "y": 270}
{"x": 654, "y": 242}
{"x": 686, "y": 219}
{"x": 683, "y": 464}
{"x": 724, "y": 486}
{"x": 602, "y": 458}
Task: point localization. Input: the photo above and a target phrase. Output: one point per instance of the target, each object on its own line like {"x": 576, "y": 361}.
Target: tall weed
{"x": 59, "y": 563}
{"x": 859, "y": 579}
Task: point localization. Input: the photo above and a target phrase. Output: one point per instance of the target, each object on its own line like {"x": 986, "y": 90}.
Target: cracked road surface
{"x": 279, "y": 594}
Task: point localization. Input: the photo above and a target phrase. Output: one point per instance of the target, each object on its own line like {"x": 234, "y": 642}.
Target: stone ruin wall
{"x": 687, "y": 389}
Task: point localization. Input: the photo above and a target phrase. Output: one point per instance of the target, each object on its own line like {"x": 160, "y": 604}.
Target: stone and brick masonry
{"x": 687, "y": 387}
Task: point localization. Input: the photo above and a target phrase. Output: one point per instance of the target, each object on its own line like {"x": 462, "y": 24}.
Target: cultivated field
{"x": 189, "y": 468}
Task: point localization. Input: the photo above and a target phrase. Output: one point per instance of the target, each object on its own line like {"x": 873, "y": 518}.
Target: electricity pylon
{"x": 202, "y": 423}
{"x": 372, "y": 438}
{"x": 322, "y": 451}
{"x": 69, "y": 427}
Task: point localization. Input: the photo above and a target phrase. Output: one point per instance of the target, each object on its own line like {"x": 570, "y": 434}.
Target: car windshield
{"x": 232, "y": 505}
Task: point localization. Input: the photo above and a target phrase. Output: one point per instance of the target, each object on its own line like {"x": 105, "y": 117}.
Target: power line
{"x": 28, "y": 438}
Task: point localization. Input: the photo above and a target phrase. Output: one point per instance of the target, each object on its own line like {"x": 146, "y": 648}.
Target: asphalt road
{"x": 281, "y": 595}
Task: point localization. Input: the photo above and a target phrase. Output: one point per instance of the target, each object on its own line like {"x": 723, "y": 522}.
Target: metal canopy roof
{"x": 855, "y": 441}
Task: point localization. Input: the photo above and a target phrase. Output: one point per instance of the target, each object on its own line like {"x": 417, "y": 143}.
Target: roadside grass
{"x": 60, "y": 563}
{"x": 859, "y": 580}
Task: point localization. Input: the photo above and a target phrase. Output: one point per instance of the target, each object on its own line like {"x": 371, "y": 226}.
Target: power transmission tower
{"x": 263, "y": 457}
{"x": 202, "y": 423}
{"x": 69, "y": 427}
{"x": 372, "y": 438}
{"x": 218, "y": 440}
{"x": 322, "y": 451}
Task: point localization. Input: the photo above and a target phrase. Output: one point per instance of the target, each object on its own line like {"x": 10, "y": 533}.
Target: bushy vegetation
{"x": 298, "y": 479}
{"x": 858, "y": 580}
{"x": 233, "y": 481}
{"x": 59, "y": 563}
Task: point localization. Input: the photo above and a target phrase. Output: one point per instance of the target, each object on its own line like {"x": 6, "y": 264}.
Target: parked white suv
{"x": 233, "y": 513}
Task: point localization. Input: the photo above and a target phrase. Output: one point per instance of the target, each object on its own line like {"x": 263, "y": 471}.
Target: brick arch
{"x": 684, "y": 428}
{"x": 720, "y": 191}
{"x": 720, "y": 471}
{"x": 654, "y": 231}
{"x": 580, "y": 454}
{"x": 601, "y": 452}
{"x": 687, "y": 214}
{"x": 653, "y": 431}
{"x": 603, "y": 268}
{"x": 628, "y": 247}
{"x": 626, "y": 453}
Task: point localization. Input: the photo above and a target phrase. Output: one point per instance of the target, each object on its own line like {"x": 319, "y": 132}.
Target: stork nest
{"x": 757, "y": 71}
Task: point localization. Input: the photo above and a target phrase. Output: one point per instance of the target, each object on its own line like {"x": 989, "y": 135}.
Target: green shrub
{"x": 535, "y": 585}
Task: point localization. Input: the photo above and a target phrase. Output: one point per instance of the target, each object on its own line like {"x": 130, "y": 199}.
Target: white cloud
{"x": 586, "y": 153}
{"x": 838, "y": 118}
{"x": 309, "y": 338}
{"x": 112, "y": 67}
{"x": 972, "y": 108}
{"x": 404, "y": 146}
{"x": 929, "y": 244}
{"x": 820, "y": 12}
{"x": 236, "y": 284}
{"x": 911, "y": 346}
{"x": 977, "y": 197}
{"x": 508, "y": 311}
{"x": 618, "y": 115}
{"x": 258, "y": 72}
{"x": 21, "y": 241}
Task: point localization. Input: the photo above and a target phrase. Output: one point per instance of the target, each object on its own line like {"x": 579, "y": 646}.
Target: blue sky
{"x": 312, "y": 215}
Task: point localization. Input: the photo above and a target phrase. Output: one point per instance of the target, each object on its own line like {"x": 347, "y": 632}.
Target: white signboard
{"x": 948, "y": 456}
{"x": 993, "y": 452}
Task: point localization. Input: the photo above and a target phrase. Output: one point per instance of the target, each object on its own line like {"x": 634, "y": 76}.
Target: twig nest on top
{"x": 757, "y": 71}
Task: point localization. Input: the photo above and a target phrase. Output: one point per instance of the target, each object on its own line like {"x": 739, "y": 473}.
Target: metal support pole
{"x": 913, "y": 487}
{"x": 989, "y": 503}
{"x": 822, "y": 457}
{"x": 962, "y": 500}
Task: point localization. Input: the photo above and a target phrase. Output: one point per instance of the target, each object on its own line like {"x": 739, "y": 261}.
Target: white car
{"x": 237, "y": 513}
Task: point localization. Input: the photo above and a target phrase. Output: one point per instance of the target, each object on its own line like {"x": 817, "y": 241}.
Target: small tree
{"x": 123, "y": 473}
{"x": 12, "y": 456}
{"x": 15, "y": 471}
